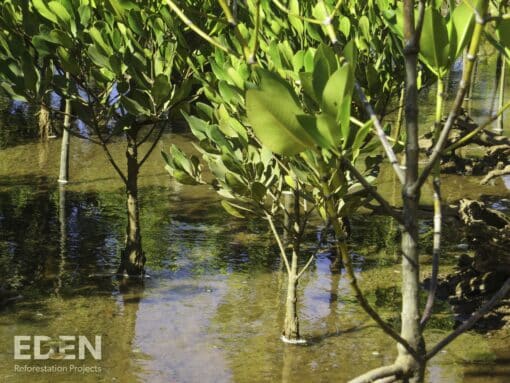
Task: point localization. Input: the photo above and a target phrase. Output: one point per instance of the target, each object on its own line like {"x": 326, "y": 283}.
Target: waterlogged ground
{"x": 211, "y": 309}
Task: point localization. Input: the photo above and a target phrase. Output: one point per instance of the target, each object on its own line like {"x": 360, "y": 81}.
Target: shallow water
{"x": 211, "y": 310}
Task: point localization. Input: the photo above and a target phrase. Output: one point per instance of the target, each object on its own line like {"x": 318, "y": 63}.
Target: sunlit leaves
{"x": 443, "y": 38}
{"x": 272, "y": 110}
{"x": 434, "y": 44}
{"x": 503, "y": 34}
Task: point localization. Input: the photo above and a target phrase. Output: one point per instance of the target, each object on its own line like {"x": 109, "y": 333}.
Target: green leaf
{"x": 434, "y": 44}
{"x": 325, "y": 63}
{"x": 461, "y": 27}
{"x": 181, "y": 176}
{"x": 345, "y": 26}
{"x": 229, "y": 93}
{"x": 307, "y": 85}
{"x": 161, "y": 89}
{"x": 230, "y": 209}
{"x": 338, "y": 85}
{"x": 198, "y": 127}
{"x": 40, "y": 6}
{"x": 82, "y": 111}
{"x": 394, "y": 20}
{"x": 272, "y": 110}
{"x": 503, "y": 33}
{"x": 121, "y": 6}
{"x": 30, "y": 74}
{"x": 133, "y": 107}
{"x": 323, "y": 128}
{"x": 234, "y": 182}
{"x": 345, "y": 118}
{"x": 258, "y": 191}
{"x": 61, "y": 38}
{"x": 99, "y": 41}
{"x": 59, "y": 10}
{"x": 98, "y": 58}
{"x": 361, "y": 135}
{"x": 12, "y": 93}
{"x": 296, "y": 23}
{"x": 69, "y": 62}
{"x": 364, "y": 26}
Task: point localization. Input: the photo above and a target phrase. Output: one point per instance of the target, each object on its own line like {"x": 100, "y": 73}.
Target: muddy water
{"x": 211, "y": 310}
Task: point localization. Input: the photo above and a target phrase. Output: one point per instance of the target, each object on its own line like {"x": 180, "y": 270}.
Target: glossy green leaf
{"x": 503, "y": 33}
{"x": 272, "y": 110}
{"x": 337, "y": 86}
{"x": 258, "y": 191}
{"x": 99, "y": 41}
{"x": 60, "y": 11}
{"x": 30, "y": 73}
{"x": 434, "y": 44}
{"x": 364, "y": 26}
{"x": 461, "y": 27}
{"x": 69, "y": 62}
{"x": 296, "y": 23}
{"x": 230, "y": 209}
{"x": 61, "y": 38}
{"x": 97, "y": 57}
{"x": 133, "y": 107}
{"x": 44, "y": 11}
{"x": 198, "y": 127}
{"x": 161, "y": 90}
{"x": 345, "y": 26}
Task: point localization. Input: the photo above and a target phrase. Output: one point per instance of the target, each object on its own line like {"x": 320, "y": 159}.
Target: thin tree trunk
{"x": 291, "y": 324}
{"x": 410, "y": 330}
{"x": 62, "y": 217}
{"x": 63, "y": 177}
{"x": 501, "y": 100}
{"x": 133, "y": 257}
{"x": 44, "y": 122}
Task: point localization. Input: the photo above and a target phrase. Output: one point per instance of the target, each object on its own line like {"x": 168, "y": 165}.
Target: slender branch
{"x": 233, "y": 23}
{"x": 69, "y": 129}
{"x": 427, "y": 312}
{"x": 326, "y": 23}
{"x": 196, "y": 29}
{"x": 380, "y": 133}
{"x": 151, "y": 130}
{"x": 379, "y": 373}
{"x": 314, "y": 255}
{"x": 503, "y": 291}
{"x": 154, "y": 143}
{"x": 363, "y": 301}
{"x": 372, "y": 190}
{"x": 103, "y": 143}
{"x": 465, "y": 139}
{"x": 278, "y": 241}
{"x": 282, "y": 8}
{"x": 419, "y": 22}
{"x": 253, "y": 54}
{"x": 228, "y": 13}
